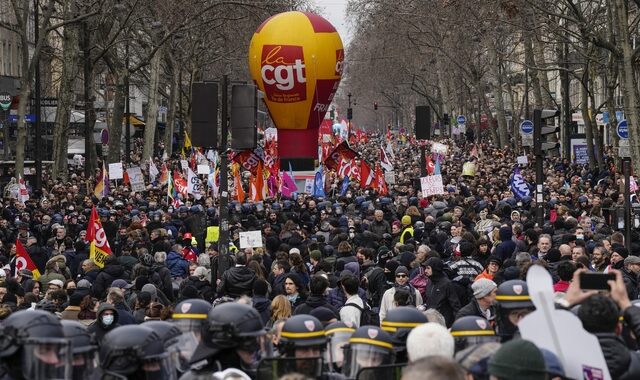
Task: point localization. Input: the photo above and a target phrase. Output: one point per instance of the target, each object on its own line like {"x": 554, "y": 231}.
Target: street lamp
{"x": 349, "y": 115}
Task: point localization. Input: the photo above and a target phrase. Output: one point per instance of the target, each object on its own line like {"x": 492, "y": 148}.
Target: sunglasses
{"x": 401, "y": 275}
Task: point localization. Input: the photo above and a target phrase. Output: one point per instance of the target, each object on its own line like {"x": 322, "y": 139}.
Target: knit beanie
{"x": 518, "y": 360}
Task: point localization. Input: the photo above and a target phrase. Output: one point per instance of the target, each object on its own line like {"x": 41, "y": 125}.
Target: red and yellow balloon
{"x": 296, "y": 59}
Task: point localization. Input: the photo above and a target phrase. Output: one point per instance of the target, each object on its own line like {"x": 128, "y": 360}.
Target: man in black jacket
{"x": 237, "y": 281}
{"x": 440, "y": 293}
{"x": 484, "y": 298}
{"x": 600, "y": 316}
{"x": 318, "y": 286}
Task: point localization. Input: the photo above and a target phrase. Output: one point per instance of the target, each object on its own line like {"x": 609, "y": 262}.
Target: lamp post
{"x": 38, "y": 138}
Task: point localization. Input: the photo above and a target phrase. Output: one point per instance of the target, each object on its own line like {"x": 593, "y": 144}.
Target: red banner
{"x": 342, "y": 150}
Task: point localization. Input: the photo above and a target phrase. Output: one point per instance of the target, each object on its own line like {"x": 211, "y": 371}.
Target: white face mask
{"x": 107, "y": 320}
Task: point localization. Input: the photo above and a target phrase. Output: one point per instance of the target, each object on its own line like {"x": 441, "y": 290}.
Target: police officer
{"x": 135, "y": 352}
{"x": 179, "y": 345}
{"x": 369, "y": 347}
{"x": 399, "y": 322}
{"x": 233, "y": 336}
{"x": 514, "y": 303}
{"x": 33, "y": 346}
{"x": 338, "y": 334}
{"x": 84, "y": 350}
{"x": 470, "y": 330}
{"x": 190, "y": 315}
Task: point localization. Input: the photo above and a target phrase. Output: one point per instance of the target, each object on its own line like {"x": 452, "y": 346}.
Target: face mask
{"x": 107, "y": 320}
{"x": 580, "y": 237}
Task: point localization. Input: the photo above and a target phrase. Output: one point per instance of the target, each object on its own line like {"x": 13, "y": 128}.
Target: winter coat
{"x": 631, "y": 283}
{"x": 314, "y": 302}
{"x": 178, "y": 266}
{"x": 106, "y": 276}
{"x": 165, "y": 278}
{"x": 473, "y": 309}
{"x": 623, "y": 363}
{"x": 236, "y": 281}
{"x": 506, "y": 249}
{"x": 388, "y": 304}
{"x": 263, "y": 305}
{"x": 441, "y": 294}
{"x": 49, "y": 276}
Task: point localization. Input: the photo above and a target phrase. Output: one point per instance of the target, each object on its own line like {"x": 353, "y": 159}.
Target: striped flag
{"x": 102, "y": 187}
{"x": 519, "y": 186}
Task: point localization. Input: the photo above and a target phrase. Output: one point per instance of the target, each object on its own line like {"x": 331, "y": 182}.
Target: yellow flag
{"x": 187, "y": 140}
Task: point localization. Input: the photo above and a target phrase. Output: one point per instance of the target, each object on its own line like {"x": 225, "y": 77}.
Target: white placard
{"x": 439, "y": 148}
{"x": 184, "y": 164}
{"x": 203, "y": 169}
{"x": 431, "y": 185}
{"x": 136, "y": 178}
{"x": 523, "y": 160}
{"x": 308, "y": 185}
{"x": 250, "y": 239}
{"x": 116, "y": 171}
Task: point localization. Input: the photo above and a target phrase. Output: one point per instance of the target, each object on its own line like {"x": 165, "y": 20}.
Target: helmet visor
{"x": 159, "y": 367}
{"x": 335, "y": 348}
{"x": 181, "y": 350}
{"x": 190, "y": 325}
{"x": 85, "y": 364}
{"x": 46, "y": 359}
{"x": 360, "y": 356}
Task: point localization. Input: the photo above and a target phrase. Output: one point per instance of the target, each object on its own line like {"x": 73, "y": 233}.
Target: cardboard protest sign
{"x": 250, "y": 239}
{"x": 431, "y": 185}
{"x": 116, "y": 171}
{"x": 136, "y": 178}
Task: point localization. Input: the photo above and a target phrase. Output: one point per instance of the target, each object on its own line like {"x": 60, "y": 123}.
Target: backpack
{"x": 420, "y": 282}
{"x": 368, "y": 317}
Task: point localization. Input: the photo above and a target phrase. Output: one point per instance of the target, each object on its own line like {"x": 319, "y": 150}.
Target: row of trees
{"x": 159, "y": 46}
{"x": 478, "y": 57}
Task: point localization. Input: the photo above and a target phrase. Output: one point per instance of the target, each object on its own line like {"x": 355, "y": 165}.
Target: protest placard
{"x": 431, "y": 185}
{"x": 116, "y": 171}
{"x": 250, "y": 239}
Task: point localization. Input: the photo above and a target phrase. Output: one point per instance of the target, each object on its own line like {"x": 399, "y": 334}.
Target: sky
{"x": 334, "y": 11}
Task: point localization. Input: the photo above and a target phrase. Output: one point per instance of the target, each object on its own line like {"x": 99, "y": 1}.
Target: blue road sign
{"x": 30, "y": 118}
{"x": 461, "y": 119}
{"x": 526, "y": 127}
{"x": 623, "y": 130}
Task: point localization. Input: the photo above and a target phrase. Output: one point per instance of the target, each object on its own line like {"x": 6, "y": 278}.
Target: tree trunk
{"x": 584, "y": 108}
{"x": 91, "y": 158}
{"x": 152, "y": 110}
{"x": 496, "y": 69}
{"x": 70, "y": 60}
{"x": 115, "y": 129}
{"x": 628, "y": 81}
{"x": 174, "y": 92}
{"x": 530, "y": 60}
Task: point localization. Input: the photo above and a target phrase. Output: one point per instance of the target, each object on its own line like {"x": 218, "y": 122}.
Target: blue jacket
{"x": 178, "y": 266}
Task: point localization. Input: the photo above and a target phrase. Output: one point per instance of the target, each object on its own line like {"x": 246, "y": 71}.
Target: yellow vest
{"x": 406, "y": 230}
{"x": 213, "y": 233}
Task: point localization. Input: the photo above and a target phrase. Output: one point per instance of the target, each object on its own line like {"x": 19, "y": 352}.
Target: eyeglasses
{"x": 401, "y": 275}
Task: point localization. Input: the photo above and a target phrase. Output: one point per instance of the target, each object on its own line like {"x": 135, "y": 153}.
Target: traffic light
{"x": 375, "y": 106}
{"x": 544, "y": 137}
{"x": 445, "y": 119}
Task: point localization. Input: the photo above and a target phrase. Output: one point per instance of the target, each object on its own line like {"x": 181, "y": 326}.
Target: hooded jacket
{"x": 263, "y": 305}
{"x": 313, "y": 302}
{"x": 440, "y": 293}
{"x": 98, "y": 329}
{"x": 178, "y": 266}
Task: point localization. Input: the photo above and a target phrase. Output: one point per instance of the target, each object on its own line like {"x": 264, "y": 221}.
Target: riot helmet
{"x": 84, "y": 350}
{"x": 190, "y": 315}
{"x": 470, "y": 330}
{"x": 514, "y": 303}
{"x": 369, "y": 346}
{"x": 135, "y": 352}
{"x": 400, "y": 321}
{"x": 178, "y": 344}
{"x": 338, "y": 334}
{"x": 33, "y": 346}
{"x": 302, "y": 336}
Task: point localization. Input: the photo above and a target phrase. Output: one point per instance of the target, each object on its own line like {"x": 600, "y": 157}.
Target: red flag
{"x": 23, "y": 261}
{"x": 366, "y": 174}
{"x": 381, "y": 185}
{"x": 342, "y": 150}
{"x": 99, "y": 247}
{"x": 249, "y": 160}
{"x": 431, "y": 166}
{"x": 180, "y": 184}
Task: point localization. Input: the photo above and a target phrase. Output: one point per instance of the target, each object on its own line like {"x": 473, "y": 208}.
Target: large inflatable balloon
{"x": 296, "y": 59}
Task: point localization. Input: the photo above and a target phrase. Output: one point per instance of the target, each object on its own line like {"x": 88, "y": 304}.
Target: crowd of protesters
{"x": 352, "y": 256}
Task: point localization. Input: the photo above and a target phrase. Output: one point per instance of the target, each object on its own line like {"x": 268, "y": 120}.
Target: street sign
{"x": 527, "y": 140}
{"x": 5, "y": 100}
{"x": 30, "y": 118}
{"x": 623, "y": 129}
{"x": 461, "y": 119}
{"x": 526, "y": 127}
{"x": 45, "y": 102}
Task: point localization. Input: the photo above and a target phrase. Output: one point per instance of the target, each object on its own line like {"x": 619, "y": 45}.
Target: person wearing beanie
{"x": 440, "y": 293}
{"x": 407, "y": 230}
{"x": 401, "y": 282}
{"x": 518, "y": 359}
{"x": 507, "y": 247}
{"x": 618, "y": 254}
{"x": 484, "y": 299}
